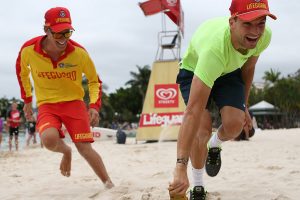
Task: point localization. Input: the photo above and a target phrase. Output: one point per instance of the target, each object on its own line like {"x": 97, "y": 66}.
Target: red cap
{"x": 58, "y": 19}
{"x": 248, "y": 10}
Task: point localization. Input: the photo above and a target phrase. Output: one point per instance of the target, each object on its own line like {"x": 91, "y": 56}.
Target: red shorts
{"x": 74, "y": 116}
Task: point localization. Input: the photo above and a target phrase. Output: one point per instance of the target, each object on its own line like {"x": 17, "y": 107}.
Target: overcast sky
{"x": 118, "y": 36}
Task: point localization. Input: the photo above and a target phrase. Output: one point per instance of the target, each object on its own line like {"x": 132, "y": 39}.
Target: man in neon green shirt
{"x": 218, "y": 65}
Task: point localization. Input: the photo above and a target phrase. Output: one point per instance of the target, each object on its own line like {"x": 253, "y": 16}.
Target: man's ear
{"x": 232, "y": 20}
{"x": 46, "y": 28}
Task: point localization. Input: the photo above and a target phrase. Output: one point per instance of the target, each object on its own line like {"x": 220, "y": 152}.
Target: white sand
{"x": 265, "y": 168}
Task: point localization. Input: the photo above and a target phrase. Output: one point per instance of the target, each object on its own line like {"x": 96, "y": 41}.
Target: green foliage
{"x": 256, "y": 95}
{"x": 4, "y": 106}
{"x": 126, "y": 103}
{"x": 285, "y": 94}
{"x": 140, "y": 79}
{"x": 271, "y": 76}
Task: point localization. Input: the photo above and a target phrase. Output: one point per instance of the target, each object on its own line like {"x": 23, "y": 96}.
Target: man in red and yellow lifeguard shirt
{"x": 56, "y": 64}
{"x": 13, "y": 119}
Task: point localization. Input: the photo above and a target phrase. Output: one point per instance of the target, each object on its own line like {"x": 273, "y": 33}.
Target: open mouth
{"x": 60, "y": 43}
{"x": 252, "y": 39}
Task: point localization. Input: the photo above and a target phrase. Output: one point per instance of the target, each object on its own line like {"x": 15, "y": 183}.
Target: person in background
{"x": 57, "y": 64}
{"x": 31, "y": 123}
{"x": 13, "y": 120}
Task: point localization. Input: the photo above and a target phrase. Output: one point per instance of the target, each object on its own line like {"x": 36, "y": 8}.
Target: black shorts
{"x": 13, "y": 131}
{"x": 31, "y": 131}
{"x": 228, "y": 90}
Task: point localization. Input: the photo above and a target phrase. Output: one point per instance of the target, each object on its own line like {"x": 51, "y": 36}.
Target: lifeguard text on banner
{"x": 163, "y": 107}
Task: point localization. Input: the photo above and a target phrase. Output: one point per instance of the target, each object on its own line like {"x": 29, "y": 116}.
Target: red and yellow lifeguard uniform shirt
{"x": 58, "y": 81}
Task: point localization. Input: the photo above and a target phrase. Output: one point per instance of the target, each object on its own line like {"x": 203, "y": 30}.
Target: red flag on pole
{"x": 172, "y": 8}
{"x": 151, "y": 7}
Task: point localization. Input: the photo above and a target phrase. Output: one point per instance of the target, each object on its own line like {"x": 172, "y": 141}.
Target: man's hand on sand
{"x": 180, "y": 183}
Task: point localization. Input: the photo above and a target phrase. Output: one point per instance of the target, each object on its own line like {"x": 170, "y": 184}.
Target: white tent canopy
{"x": 263, "y": 105}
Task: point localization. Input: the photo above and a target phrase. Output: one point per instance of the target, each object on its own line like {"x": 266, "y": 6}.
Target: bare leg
{"x": 34, "y": 137}
{"x": 233, "y": 121}
{"x": 50, "y": 138}
{"x": 199, "y": 149}
{"x": 95, "y": 161}
{"x": 0, "y": 138}
{"x": 17, "y": 142}
{"x": 41, "y": 141}
{"x": 28, "y": 139}
{"x": 10, "y": 142}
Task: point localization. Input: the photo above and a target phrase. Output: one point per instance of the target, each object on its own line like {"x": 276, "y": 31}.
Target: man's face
{"x": 14, "y": 106}
{"x": 60, "y": 39}
{"x": 245, "y": 35}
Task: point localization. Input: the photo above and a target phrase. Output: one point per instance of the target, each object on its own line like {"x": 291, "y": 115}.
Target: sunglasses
{"x": 59, "y": 35}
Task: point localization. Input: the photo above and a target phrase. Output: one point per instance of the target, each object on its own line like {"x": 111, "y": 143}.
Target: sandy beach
{"x": 265, "y": 168}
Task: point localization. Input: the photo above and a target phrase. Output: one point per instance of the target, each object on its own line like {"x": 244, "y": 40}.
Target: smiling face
{"x": 58, "y": 41}
{"x": 245, "y": 35}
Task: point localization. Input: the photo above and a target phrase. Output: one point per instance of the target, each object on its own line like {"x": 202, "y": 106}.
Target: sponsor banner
{"x": 166, "y": 96}
{"x": 160, "y": 119}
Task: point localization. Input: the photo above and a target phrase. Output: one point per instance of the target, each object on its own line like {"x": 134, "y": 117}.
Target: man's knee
{"x": 233, "y": 126}
{"x": 50, "y": 138}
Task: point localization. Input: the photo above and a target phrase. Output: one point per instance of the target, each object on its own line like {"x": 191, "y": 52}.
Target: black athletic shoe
{"x": 213, "y": 161}
{"x": 198, "y": 193}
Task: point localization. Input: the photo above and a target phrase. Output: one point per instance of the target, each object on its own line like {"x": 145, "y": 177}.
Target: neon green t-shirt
{"x": 210, "y": 53}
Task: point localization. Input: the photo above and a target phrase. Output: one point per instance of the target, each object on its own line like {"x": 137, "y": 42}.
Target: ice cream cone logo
{"x": 166, "y": 94}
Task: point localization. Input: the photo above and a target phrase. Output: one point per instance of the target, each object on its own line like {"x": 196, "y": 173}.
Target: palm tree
{"x": 271, "y": 76}
{"x": 140, "y": 79}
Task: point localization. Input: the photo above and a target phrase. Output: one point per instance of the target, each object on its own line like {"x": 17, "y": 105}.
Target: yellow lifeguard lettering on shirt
{"x": 58, "y": 75}
{"x": 59, "y": 20}
{"x": 81, "y": 136}
{"x": 256, "y": 5}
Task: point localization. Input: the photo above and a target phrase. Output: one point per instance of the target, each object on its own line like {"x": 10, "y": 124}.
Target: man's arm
{"x": 196, "y": 105}
{"x": 198, "y": 98}
{"x": 94, "y": 82}
{"x": 95, "y": 90}
{"x": 23, "y": 75}
{"x": 247, "y": 75}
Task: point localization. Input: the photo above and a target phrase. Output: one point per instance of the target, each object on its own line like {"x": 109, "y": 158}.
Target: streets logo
{"x": 166, "y": 96}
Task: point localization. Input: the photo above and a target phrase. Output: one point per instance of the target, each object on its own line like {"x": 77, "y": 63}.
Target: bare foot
{"x": 108, "y": 184}
{"x": 65, "y": 164}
